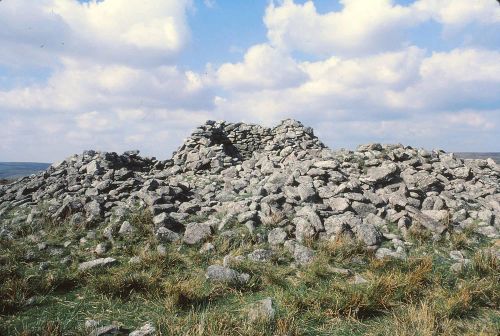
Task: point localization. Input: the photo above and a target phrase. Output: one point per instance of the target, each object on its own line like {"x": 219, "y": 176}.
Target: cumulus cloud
{"x": 138, "y": 33}
{"x": 363, "y": 27}
{"x": 402, "y": 96}
{"x": 114, "y": 78}
{"x": 460, "y": 12}
{"x": 93, "y": 121}
{"x": 360, "y": 27}
{"x": 470, "y": 119}
{"x": 155, "y": 24}
{"x": 263, "y": 67}
{"x": 89, "y": 86}
{"x": 465, "y": 78}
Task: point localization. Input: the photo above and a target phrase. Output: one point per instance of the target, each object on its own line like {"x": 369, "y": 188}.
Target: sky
{"x": 116, "y": 75}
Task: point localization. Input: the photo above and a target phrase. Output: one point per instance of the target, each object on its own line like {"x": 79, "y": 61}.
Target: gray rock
{"x": 441, "y": 216}
{"x": 488, "y": 231}
{"x": 276, "y": 236}
{"x": 338, "y": 224}
{"x": 462, "y": 173}
{"x": 106, "y": 330}
{"x": 97, "y": 263}
{"x": 93, "y": 209}
{"x": 329, "y": 164}
{"x": 388, "y": 253}
{"x": 303, "y": 255}
{"x": 338, "y": 204}
{"x": 306, "y": 193}
{"x": 367, "y": 233}
{"x": 382, "y": 174}
{"x": 428, "y": 222}
{"x": 145, "y": 330}
{"x": 189, "y": 207}
{"x": 247, "y": 216}
{"x": 93, "y": 168}
{"x": 303, "y": 229}
{"x": 101, "y": 249}
{"x": 216, "y": 273}
{"x": 363, "y": 209}
{"x": 311, "y": 217}
{"x": 260, "y": 255}
{"x": 196, "y": 233}
{"x": 165, "y": 235}
{"x": 165, "y": 220}
{"x": 126, "y": 229}
{"x": 262, "y": 311}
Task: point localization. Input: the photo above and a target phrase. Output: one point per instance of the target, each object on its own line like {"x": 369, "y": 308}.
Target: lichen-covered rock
{"x": 262, "y": 311}
{"x": 145, "y": 330}
{"x": 216, "y": 273}
{"x": 165, "y": 235}
{"x": 96, "y": 263}
{"x": 276, "y": 236}
{"x": 196, "y": 233}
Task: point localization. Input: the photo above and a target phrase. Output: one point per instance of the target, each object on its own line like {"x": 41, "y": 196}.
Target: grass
{"x": 417, "y": 296}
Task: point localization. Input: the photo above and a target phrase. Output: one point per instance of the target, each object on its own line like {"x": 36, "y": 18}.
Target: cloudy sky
{"x": 141, "y": 74}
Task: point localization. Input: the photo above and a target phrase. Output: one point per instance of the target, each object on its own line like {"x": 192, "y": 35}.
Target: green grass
{"x": 417, "y": 296}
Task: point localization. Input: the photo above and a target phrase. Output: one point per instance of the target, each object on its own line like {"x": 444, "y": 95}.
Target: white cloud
{"x": 460, "y": 12}
{"x": 134, "y": 32}
{"x": 118, "y": 81}
{"x": 263, "y": 67}
{"x": 466, "y": 78}
{"x": 364, "y": 27}
{"x": 80, "y": 86}
{"x": 361, "y": 27}
{"x": 471, "y": 119}
{"x": 93, "y": 121}
{"x": 405, "y": 96}
{"x": 157, "y": 24}
{"x": 130, "y": 114}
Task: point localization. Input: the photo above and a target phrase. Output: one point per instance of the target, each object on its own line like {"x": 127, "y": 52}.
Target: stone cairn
{"x": 282, "y": 179}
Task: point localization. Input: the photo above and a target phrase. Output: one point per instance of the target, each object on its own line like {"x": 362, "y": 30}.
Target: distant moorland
{"x": 12, "y": 170}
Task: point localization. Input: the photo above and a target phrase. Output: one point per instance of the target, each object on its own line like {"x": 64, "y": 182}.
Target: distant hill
{"x": 12, "y": 170}
{"x": 472, "y": 155}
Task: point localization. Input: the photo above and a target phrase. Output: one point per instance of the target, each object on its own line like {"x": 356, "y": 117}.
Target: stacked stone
{"x": 86, "y": 189}
{"x": 215, "y": 146}
{"x": 282, "y": 178}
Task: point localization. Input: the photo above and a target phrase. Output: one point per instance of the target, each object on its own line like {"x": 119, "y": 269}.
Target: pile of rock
{"x": 215, "y": 146}
{"x": 283, "y": 179}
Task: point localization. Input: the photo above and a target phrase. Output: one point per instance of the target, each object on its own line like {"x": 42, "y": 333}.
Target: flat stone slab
{"x": 101, "y": 262}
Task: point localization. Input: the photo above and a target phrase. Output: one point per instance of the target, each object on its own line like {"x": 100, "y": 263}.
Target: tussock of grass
{"x": 459, "y": 241}
{"x": 123, "y": 284}
{"x": 194, "y": 293}
{"x": 49, "y": 328}
{"x": 419, "y": 234}
{"x": 142, "y": 221}
{"x": 343, "y": 248}
{"x": 417, "y": 296}
{"x": 484, "y": 263}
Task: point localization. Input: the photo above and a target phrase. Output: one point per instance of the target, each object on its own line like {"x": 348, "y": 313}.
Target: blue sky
{"x": 115, "y": 75}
